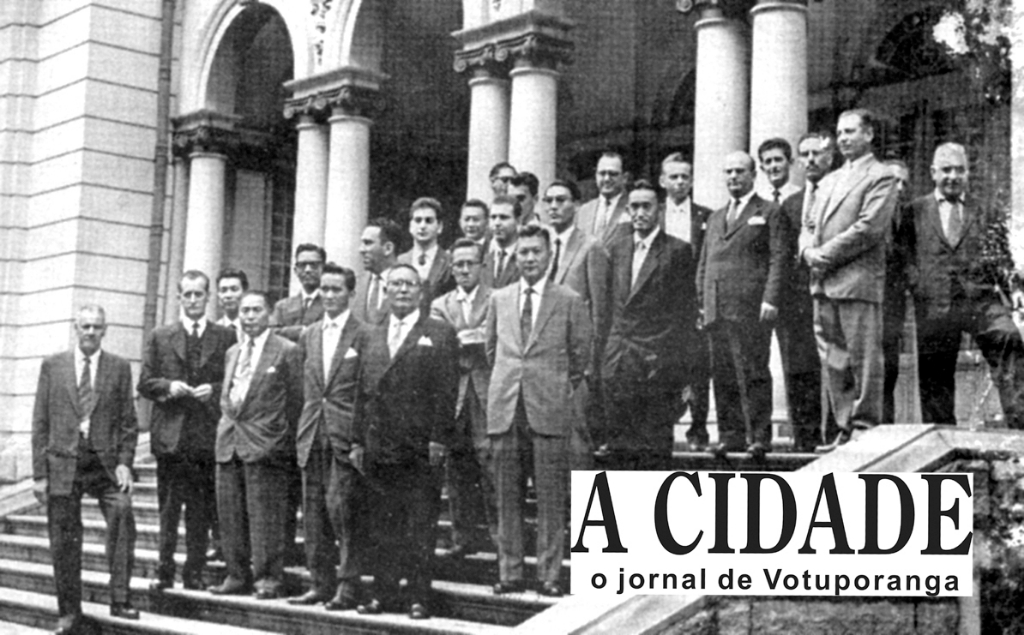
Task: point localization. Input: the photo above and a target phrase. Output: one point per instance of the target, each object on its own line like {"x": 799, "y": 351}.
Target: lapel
{"x": 650, "y": 264}
{"x": 411, "y": 338}
{"x": 178, "y": 340}
{"x": 344, "y": 342}
{"x": 750, "y": 209}
{"x": 438, "y": 267}
{"x": 267, "y": 359}
{"x": 103, "y": 370}
{"x": 479, "y": 309}
{"x": 207, "y": 344}
{"x": 837, "y": 194}
{"x": 570, "y": 251}
{"x": 315, "y": 352}
{"x": 547, "y": 299}
{"x": 935, "y": 221}
{"x": 71, "y": 382}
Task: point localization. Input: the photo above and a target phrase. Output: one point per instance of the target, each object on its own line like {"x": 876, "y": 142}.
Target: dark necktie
{"x": 305, "y": 307}
{"x": 734, "y": 212}
{"x": 526, "y": 317}
{"x": 86, "y": 397}
{"x": 423, "y": 259}
{"x": 192, "y": 352}
{"x": 558, "y": 254}
{"x": 500, "y": 267}
{"x": 777, "y": 196}
{"x": 373, "y": 297}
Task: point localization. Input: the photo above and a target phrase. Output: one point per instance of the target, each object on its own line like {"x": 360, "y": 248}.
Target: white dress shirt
{"x": 187, "y": 323}
{"x": 398, "y": 330}
{"x": 641, "y": 247}
{"x": 678, "y": 219}
{"x": 428, "y": 261}
{"x": 466, "y": 301}
{"x": 332, "y": 329}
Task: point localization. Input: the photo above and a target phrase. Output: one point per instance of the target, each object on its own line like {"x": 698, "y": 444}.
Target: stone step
{"x": 273, "y": 616}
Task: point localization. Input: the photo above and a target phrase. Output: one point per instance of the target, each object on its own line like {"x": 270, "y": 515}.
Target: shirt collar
{"x": 859, "y": 161}
{"x": 408, "y": 320}
{"x": 745, "y": 199}
{"x": 339, "y": 321}
{"x": 186, "y": 322}
{"x": 310, "y": 296}
{"x": 93, "y": 359}
{"x": 613, "y": 202}
{"x": 564, "y": 236}
{"x": 496, "y": 248}
{"x": 649, "y": 239}
{"x": 429, "y": 253}
{"x": 538, "y": 286}
{"x": 941, "y": 198}
{"x": 672, "y": 206}
{"x": 260, "y": 340}
{"x": 462, "y": 296}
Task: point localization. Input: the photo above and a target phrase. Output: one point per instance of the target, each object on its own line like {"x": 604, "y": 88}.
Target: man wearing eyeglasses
{"x": 294, "y": 313}
{"x": 501, "y": 175}
{"x": 601, "y": 217}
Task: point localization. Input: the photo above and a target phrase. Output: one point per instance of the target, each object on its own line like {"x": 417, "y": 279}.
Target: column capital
{"x": 536, "y": 37}
{"x": 710, "y": 9}
{"x": 347, "y": 90}
{"x": 204, "y": 131}
{"x": 779, "y": 5}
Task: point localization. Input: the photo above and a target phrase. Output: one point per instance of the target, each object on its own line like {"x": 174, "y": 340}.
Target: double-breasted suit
{"x": 439, "y": 279}
{"x": 741, "y": 268}
{"x": 644, "y": 366}
{"x": 956, "y": 289}
{"x": 73, "y": 465}
{"x": 406, "y": 402}
{"x": 255, "y": 445}
{"x": 183, "y": 431}
{"x": 531, "y": 410}
{"x": 325, "y": 439}
{"x": 844, "y": 240}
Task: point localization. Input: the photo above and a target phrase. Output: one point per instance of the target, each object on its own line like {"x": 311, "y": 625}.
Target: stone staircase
{"x": 463, "y": 602}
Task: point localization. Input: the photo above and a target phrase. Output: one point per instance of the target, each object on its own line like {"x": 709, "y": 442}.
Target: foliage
{"x": 976, "y": 33}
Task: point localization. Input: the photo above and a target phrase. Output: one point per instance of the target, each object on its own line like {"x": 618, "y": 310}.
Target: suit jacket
{"x": 289, "y": 317}
{"x": 509, "y": 275}
{"x": 546, "y": 369}
{"x": 408, "y": 401}
{"x": 744, "y": 264}
{"x": 183, "y": 425}
{"x": 329, "y": 409}
{"x": 113, "y": 430}
{"x": 262, "y": 427}
{"x": 795, "y": 295}
{"x": 474, "y": 369}
{"x": 652, "y": 323}
{"x": 943, "y": 273}
{"x": 360, "y": 311}
{"x": 586, "y": 218}
{"x": 586, "y": 269}
{"x": 699, "y": 216}
{"x": 439, "y": 281}
{"x": 850, "y": 223}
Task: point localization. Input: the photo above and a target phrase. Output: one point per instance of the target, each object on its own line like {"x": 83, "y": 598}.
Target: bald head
{"x": 739, "y": 173}
{"x": 949, "y": 170}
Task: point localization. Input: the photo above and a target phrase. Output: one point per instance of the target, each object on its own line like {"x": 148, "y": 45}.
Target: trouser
{"x": 184, "y": 482}
{"x": 469, "y": 476}
{"x": 743, "y": 382}
{"x": 849, "y": 336}
{"x": 331, "y": 490}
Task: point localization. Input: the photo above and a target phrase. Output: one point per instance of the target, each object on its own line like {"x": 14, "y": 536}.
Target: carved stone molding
{"x": 247, "y": 148}
{"x": 534, "y": 37}
{"x": 341, "y": 91}
{"x": 319, "y": 10}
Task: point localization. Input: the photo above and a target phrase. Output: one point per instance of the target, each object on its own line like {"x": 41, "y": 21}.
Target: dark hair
{"x": 390, "y": 232}
{"x": 195, "y": 274}
{"x": 311, "y": 247}
{"x": 466, "y": 243}
{"x": 569, "y": 184}
{"x": 529, "y": 179}
{"x": 612, "y": 154}
{"x": 336, "y": 269}
{"x": 260, "y": 294}
{"x": 517, "y": 209}
{"x": 234, "y": 273}
{"x": 868, "y": 120}
{"x": 498, "y": 167}
{"x": 775, "y": 143}
{"x": 822, "y": 135}
{"x": 475, "y": 202}
{"x": 405, "y": 265}
{"x": 530, "y": 231}
{"x": 426, "y": 202}
{"x": 644, "y": 184}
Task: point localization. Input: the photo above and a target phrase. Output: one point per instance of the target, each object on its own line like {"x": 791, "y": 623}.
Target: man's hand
{"x": 355, "y": 457}
{"x": 812, "y": 257}
{"x": 39, "y": 489}
{"x": 437, "y": 452}
{"x": 202, "y": 392}
{"x": 123, "y": 474}
{"x": 179, "y": 389}
{"x": 768, "y": 312}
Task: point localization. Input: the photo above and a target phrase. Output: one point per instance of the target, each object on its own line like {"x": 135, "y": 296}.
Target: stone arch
{"x": 354, "y": 35}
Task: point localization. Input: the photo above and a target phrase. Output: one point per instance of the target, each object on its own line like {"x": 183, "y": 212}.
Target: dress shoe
{"x": 418, "y": 611}
{"x": 512, "y": 586}
{"x": 66, "y": 624}
{"x": 159, "y": 584}
{"x": 551, "y": 589}
{"x": 124, "y": 610}
{"x": 841, "y": 439}
{"x": 230, "y": 587}
{"x": 373, "y": 607}
{"x": 757, "y": 451}
{"x": 312, "y": 596}
{"x": 267, "y": 594}
{"x": 342, "y": 603}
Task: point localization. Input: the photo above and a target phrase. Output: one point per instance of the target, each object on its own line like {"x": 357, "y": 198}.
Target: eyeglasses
{"x": 503, "y": 179}
{"x": 308, "y": 265}
{"x": 558, "y": 200}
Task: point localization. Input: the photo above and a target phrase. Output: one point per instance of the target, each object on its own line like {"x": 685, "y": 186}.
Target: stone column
{"x": 778, "y": 85}
{"x": 348, "y": 187}
{"x": 204, "y": 227}
{"x": 533, "y": 122}
{"x": 488, "y": 129}
{"x": 722, "y": 103}
{"x": 311, "y": 181}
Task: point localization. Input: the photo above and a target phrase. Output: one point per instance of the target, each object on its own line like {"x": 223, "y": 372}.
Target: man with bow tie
{"x": 957, "y": 280}
{"x": 406, "y": 414}
{"x": 260, "y": 404}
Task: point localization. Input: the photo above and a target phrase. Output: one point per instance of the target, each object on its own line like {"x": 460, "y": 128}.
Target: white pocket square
{"x": 272, "y": 369}
{"x": 351, "y": 354}
{"x": 424, "y": 341}
{"x": 756, "y": 220}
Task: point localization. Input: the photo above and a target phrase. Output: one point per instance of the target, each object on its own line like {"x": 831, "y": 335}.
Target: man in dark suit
{"x": 473, "y": 218}
{"x": 83, "y": 442}
{"x": 538, "y": 339}
{"x": 260, "y": 401}
{"x": 501, "y": 175}
{"x": 468, "y": 469}
{"x": 687, "y": 221}
{"x": 894, "y": 301}
{"x": 406, "y": 413}
{"x": 524, "y": 187}
{"x": 500, "y": 267}
{"x": 958, "y": 277}
{"x": 844, "y": 242}
{"x": 775, "y": 156}
{"x": 378, "y": 249}
{"x": 182, "y": 370}
{"x": 601, "y": 217}
{"x": 739, "y": 279}
{"x": 433, "y": 264}
{"x": 231, "y": 284}
{"x": 801, "y": 366}
{"x": 644, "y": 367}
{"x": 295, "y": 312}
{"x": 328, "y": 447}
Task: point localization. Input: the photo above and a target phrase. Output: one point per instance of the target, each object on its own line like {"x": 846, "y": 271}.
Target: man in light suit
{"x": 687, "y": 221}
{"x": 295, "y": 312}
{"x": 844, "y": 243}
{"x": 539, "y": 339}
{"x": 644, "y": 368}
{"x": 330, "y": 452}
{"x": 430, "y": 261}
{"x": 83, "y": 442}
{"x": 378, "y": 249}
{"x": 182, "y": 370}
{"x": 500, "y": 267}
{"x": 260, "y": 403}
{"x": 739, "y": 279}
{"x": 468, "y": 469}
{"x": 406, "y": 414}
{"x": 957, "y": 281}
{"x": 601, "y": 217}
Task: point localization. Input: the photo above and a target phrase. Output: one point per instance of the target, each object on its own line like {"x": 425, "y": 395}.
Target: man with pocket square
{"x": 739, "y": 279}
